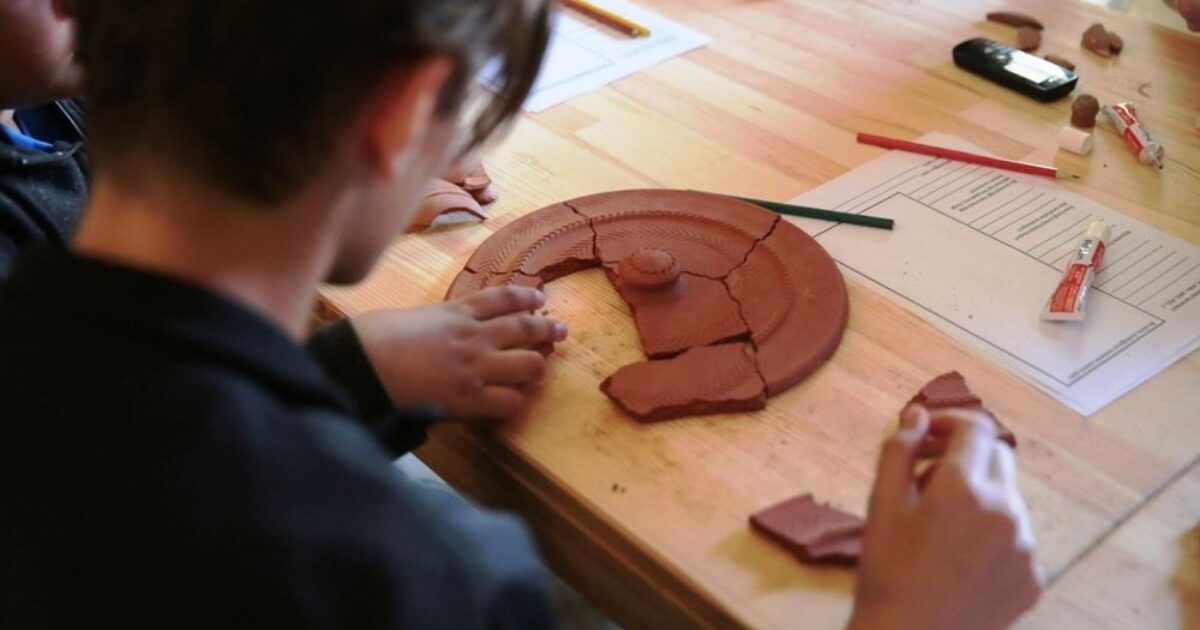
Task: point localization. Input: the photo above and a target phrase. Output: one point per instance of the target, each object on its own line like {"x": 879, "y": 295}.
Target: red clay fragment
{"x": 473, "y": 178}
{"x": 815, "y": 533}
{"x": 689, "y": 312}
{"x": 708, "y": 234}
{"x": 950, "y": 391}
{"x": 444, "y": 198}
{"x": 1012, "y": 18}
{"x": 551, "y": 243}
{"x": 707, "y": 380}
{"x": 1102, "y": 42}
{"x": 794, "y": 301}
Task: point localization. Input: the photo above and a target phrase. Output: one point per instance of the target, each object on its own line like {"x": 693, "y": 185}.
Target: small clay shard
{"x": 711, "y": 379}
{"x": 1029, "y": 39}
{"x": 1061, "y": 61}
{"x": 950, "y": 391}
{"x": 1102, "y": 42}
{"x": 444, "y": 198}
{"x": 1015, "y": 19}
{"x": 685, "y": 312}
{"x": 814, "y": 532}
{"x": 472, "y": 177}
{"x": 1115, "y": 43}
{"x": 1084, "y": 111}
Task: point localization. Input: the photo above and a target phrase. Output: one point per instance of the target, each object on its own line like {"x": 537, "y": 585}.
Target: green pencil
{"x": 824, "y": 215}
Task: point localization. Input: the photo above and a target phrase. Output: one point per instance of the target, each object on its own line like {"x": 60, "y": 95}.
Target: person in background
{"x": 174, "y": 457}
{"x": 43, "y": 165}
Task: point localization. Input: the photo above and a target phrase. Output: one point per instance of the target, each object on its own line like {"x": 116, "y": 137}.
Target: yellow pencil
{"x": 600, "y": 14}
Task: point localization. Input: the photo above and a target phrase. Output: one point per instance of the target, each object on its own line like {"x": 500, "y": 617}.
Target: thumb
{"x": 895, "y": 481}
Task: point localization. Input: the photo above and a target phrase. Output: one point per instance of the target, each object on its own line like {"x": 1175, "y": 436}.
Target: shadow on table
{"x": 779, "y": 570}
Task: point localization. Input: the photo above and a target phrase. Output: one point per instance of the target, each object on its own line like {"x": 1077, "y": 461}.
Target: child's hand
{"x": 472, "y": 356}
{"x": 957, "y": 553}
{"x": 1190, "y": 10}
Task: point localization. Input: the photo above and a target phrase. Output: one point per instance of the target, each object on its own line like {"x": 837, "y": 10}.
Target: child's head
{"x": 258, "y": 99}
{"x": 36, "y": 52}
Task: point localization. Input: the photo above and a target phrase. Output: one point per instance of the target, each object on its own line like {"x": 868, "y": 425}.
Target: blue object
{"x": 22, "y": 141}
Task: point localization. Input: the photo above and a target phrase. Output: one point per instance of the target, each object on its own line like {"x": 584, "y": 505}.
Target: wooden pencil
{"x": 823, "y": 215}
{"x": 613, "y": 20}
{"x": 963, "y": 156}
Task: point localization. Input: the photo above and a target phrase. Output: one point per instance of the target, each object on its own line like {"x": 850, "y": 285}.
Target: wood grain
{"x": 651, "y": 521}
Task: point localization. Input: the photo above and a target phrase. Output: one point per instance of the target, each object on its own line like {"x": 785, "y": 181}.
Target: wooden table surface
{"x": 650, "y": 522}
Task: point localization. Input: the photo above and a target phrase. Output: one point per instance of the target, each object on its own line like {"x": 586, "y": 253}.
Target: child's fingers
{"x": 512, "y": 367}
{"x": 971, "y": 444}
{"x": 500, "y": 403}
{"x": 1004, "y": 472}
{"x": 894, "y": 487}
{"x": 523, "y": 331}
{"x": 498, "y": 301}
{"x": 934, "y": 446}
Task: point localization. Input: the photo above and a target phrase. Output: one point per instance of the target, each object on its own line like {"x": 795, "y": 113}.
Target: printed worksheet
{"x": 978, "y": 251}
{"x": 585, "y": 55}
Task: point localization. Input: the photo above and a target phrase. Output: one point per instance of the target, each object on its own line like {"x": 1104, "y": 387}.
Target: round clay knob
{"x": 649, "y": 268}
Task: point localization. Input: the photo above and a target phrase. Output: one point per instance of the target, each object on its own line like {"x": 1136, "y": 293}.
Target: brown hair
{"x": 250, "y": 94}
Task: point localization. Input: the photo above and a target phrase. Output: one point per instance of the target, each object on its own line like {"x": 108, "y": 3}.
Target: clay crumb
{"x": 1144, "y": 89}
{"x": 1084, "y": 111}
{"x": 1060, "y": 61}
{"x": 1102, "y": 42}
{"x": 1013, "y": 18}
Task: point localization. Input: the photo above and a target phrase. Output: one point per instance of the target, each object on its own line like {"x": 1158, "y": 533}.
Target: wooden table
{"x": 650, "y": 521}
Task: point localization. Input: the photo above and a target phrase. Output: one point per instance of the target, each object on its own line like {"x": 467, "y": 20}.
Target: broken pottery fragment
{"x": 473, "y": 178}
{"x": 950, "y": 391}
{"x": 1015, "y": 19}
{"x": 706, "y": 276}
{"x": 464, "y": 189}
{"x": 703, "y": 380}
{"x": 675, "y": 312}
{"x": 1101, "y": 41}
{"x": 815, "y": 533}
{"x": 444, "y": 198}
{"x": 1084, "y": 111}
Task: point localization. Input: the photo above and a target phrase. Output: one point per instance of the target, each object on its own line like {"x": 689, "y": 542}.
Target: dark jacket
{"x": 171, "y": 459}
{"x": 43, "y": 193}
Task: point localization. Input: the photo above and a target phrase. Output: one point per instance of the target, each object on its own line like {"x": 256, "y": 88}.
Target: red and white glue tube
{"x": 1124, "y": 117}
{"x": 1069, "y": 302}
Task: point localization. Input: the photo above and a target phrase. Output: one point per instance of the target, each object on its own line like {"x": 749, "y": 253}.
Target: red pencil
{"x": 963, "y": 156}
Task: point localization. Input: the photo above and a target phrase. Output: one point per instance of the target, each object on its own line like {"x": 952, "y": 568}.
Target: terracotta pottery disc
{"x": 703, "y": 274}
{"x": 813, "y": 532}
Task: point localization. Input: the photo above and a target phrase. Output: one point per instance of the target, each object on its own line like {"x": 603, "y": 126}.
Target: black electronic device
{"x": 1015, "y": 69}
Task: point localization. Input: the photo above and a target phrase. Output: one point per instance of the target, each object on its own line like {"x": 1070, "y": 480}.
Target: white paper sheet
{"x": 585, "y": 55}
{"x": 978, "y": 251}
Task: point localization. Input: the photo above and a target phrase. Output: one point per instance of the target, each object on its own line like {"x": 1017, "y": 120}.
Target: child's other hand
{"x": 958, "y": 553}
{"x": 472, "y": 356}
{"x": 1190, "y": 10}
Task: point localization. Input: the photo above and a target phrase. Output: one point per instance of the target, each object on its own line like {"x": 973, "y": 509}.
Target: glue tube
{"x": 1125, "y": 118}
{"x": 1069, "y": 302}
